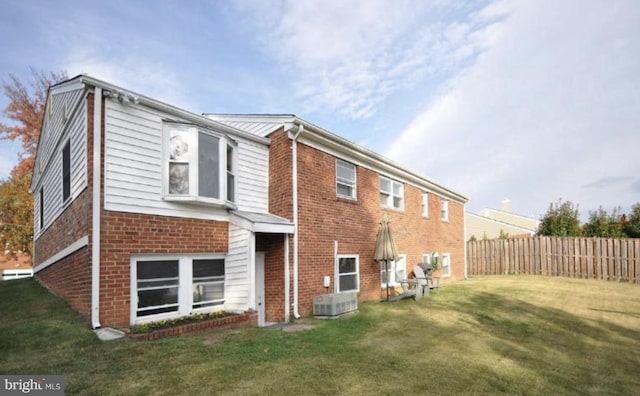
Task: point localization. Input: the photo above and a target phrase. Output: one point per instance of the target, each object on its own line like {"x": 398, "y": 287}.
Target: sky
{"x": 532, "y": 101}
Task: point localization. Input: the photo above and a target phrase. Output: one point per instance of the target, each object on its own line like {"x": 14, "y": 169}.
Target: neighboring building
{"x": 492, "y": 223}
{"x": 144, "y": 211}
{"x": 15, "y": 267}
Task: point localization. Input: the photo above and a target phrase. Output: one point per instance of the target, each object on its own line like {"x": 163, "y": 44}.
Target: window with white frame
{"x": 345, "y": 179}
{"x": 66, "y": 172}
{"x": 391, "y": 193}
{"x": 200, "y": 165}
{"x": 168, "y": 286}
{"x": 41, "y": 209}
{"x": 446, "y": 264}
{"x": 347, "y": 273}
{"x": 394, "y": 271}
{"x": 444, "y": 209}
{"x": 425, "y": 204}
{"x": 426, "y": 258}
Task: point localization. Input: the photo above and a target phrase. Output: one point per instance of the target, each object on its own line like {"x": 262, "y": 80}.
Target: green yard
{"x": 488, "y": 335}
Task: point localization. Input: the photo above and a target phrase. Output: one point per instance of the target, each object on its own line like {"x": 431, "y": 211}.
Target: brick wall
{"x": 124, "y": 234}
{"x": 70, "y": 278}
{"x": 273, "y": 245}
{"x": 324, "y": 218}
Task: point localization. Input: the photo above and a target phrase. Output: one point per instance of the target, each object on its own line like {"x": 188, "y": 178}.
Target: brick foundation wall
{"x": 325, "y": 218}
{"x": 70, "y": 277}
{"x": 125, "y": 234}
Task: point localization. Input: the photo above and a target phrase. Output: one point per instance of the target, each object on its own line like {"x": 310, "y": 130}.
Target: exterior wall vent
{"x": 335, "y": 304}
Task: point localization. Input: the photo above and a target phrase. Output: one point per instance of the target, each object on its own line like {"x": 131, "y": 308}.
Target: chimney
{"x": 506, "y": 205}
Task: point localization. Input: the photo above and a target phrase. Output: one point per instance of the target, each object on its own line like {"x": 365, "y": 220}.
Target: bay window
{"x": 199, "y": 165}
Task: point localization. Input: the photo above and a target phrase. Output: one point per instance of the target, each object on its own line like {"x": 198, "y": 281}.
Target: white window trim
{"x": 337, "y": 273}
{"x": 392, "y": 271}
{"x": 425, "y": 204}
{"x": 350, "y": 183}
{"x": 446, "y": 257}
{"x": 426, "y": 258}
{"x": 390, "y": 194}
{"x": 185, "y": 286}
{"x": 223, "y": 143}
{"x": 444, "y": 209}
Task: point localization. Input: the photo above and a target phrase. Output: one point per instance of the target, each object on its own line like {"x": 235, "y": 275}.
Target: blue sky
{"x": 527, "y": 100}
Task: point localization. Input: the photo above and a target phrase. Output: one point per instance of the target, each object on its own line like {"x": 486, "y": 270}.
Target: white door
{"x": 260, "y": 305}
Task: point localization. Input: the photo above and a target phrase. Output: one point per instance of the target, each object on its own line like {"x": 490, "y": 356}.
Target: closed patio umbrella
{"x": 385, "y": 248}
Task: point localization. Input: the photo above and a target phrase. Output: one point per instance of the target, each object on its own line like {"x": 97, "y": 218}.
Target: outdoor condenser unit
{"x": 335, "y": 304}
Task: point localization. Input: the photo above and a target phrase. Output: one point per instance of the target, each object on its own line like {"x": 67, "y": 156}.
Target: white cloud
{"x": 348, "y": 57}
{"x": 550, "y": 106}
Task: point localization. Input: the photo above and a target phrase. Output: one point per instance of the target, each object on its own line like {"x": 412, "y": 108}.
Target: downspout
{"x": 287, "y": 278}
{"x": 95, "y": 223}
{"x": 294, "y": 158}
{"x": 464, "y": 225}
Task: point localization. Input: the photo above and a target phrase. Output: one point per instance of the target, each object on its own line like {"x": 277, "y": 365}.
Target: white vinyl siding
{"x": 48, "y": 170}
{"x": 237, "y": 269}
{"x": 134, "y": 167}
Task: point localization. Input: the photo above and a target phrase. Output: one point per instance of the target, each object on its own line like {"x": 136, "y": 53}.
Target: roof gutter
{"x": 184, "y": 114}
{"x": 367, "y": 156}
{"x": 294, "y": 176}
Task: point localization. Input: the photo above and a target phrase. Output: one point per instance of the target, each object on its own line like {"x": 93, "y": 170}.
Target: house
{"x": 494, "y": 223}
{"x": 144, "y": 211}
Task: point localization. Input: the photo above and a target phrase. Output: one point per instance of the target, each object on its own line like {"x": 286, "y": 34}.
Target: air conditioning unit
{"x": 335, "y": 304}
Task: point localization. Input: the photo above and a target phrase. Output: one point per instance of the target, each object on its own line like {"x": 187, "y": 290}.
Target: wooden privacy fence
{"x": 593, "y": 258}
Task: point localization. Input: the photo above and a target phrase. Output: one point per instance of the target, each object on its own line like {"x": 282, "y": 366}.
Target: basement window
{"x": 167, "y": 286}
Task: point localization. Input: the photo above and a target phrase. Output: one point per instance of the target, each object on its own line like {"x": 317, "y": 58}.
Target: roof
{"x": 480, "y": 226}
{"x": 265, "y": 124}
{"x": 262, "y": 222}
{"x": 526, "y": 222}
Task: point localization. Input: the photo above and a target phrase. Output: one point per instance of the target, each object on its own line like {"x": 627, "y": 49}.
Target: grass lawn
{"x": 487, "y": 335}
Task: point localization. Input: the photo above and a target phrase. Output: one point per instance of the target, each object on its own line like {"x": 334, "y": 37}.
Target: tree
{"x": 632, "y": 224}
{"x": 562, "y": 219}
{"x": 602, "y": 224}
{"x": 26, "y": 109}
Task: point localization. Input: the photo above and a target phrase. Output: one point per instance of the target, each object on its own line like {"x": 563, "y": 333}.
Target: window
{"x": 231, "y": 175}
{"x": 444, "y": 209}
{"x": 169, "y": 286}
{"x": 208, "y": 282}
{"x": 41, "y": 220}
{"x": 347, "y": 273}
{"x": 446, "y": 265}
{"x": 391, "y": 193}
{"x": 425, "y": 204}
{"x": 345, "y": 179}
{"x": 426, "y": 258}
{"x": 66, "y": 171}
{"x": 395, "y": 271}
{"x": 200, "y": 166}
